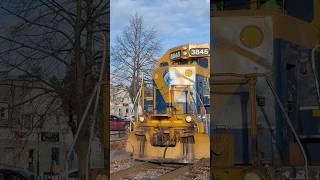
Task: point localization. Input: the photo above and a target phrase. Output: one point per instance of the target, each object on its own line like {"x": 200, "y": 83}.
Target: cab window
{"x": 294, "y": 8}
{"x": 203, "y": 62}
{"x": 220, "y": 5}
{"x": 270, "y": 4}
{"x": 291, "y": 7}
{"x": 180, "y": 62}
{"x": 164, "y": 64}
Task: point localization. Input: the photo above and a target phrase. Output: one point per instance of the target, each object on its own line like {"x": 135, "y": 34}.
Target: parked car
{"x": 118, "y": 123}
{"x": 130, "y": 118}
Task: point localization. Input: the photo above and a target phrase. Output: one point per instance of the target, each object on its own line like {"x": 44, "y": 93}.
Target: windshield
{"x": 230, "y": 4}
{"x": 222, "y": 5}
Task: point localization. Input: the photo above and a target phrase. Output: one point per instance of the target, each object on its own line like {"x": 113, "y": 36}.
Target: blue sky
{"x": 176, "y": 21}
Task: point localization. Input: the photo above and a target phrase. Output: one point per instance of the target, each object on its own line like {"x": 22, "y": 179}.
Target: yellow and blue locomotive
{"x": 265, "y": 85}
{"x": 174, "y": 125}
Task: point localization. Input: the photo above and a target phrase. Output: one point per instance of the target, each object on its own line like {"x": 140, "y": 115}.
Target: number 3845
{"x": 199, "y": 51}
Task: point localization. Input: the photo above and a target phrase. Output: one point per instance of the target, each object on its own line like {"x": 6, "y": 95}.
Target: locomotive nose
{"x": 243, "y": 44}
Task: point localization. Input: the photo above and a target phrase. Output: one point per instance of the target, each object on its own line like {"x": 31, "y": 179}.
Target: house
{"x": 120, "y": 102}
{"x": 32, "y": 136}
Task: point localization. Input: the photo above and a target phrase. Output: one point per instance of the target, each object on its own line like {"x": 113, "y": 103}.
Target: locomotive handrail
{"x": 205, "y": 111}
{"x": 314, "y": 69}
{"x": 161, "y": 115}
{"x": 172, "y": 90}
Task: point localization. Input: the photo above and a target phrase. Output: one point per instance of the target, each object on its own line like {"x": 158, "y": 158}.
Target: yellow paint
{"x": 179, "y": 117}
{"x": 230, "y": 173}
{"x": 318, "y": 32}
{"x": 223, "y": 147}
{"x": 180, "y": 122}
{"x": 188, "y": 73}
{"x": 201, "y": 127}
{"x": 316, "y": 113}
{"x": 201, "y": 148}
{"x": 251, "y": 36}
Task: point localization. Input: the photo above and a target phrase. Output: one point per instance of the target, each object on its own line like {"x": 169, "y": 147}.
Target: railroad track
{"x": 163, "y": 171}
{"x": 118, "y": 143}
{"x": 118, "y": 140}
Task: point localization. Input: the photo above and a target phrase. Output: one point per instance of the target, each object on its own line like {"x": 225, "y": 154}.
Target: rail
{"x": 168, "y": 171}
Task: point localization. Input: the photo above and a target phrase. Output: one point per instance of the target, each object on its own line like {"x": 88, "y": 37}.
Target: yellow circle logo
{"x": 251, "y": 36}
{"x": 188, "y": 72}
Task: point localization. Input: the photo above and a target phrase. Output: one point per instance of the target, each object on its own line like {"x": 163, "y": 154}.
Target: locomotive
{"x": 265, "y": 87}
{"x": 174, "y": 125}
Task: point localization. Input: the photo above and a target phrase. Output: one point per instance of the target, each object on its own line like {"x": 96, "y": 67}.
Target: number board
{"x": 175, "y": 54}
{"x": 199, "y": 51}
{"x": 50, "y": 136}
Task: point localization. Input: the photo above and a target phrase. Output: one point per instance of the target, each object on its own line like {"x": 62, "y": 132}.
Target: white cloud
{"x": 177, "y": 21}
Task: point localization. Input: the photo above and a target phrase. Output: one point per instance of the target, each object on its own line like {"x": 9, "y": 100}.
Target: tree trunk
{"x": 81, "y": 146}
{"x": 82, "y": 149}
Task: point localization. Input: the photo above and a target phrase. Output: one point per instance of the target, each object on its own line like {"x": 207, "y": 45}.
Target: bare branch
{"x": 52, "y": 54}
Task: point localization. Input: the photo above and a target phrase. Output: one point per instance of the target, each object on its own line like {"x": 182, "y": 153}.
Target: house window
{"x": 3, "y": 114}
{"x": 30, "y": 160}
{"x": 26, "y": 121}
{"x": 55, "y": 155}
{"x": 57, "y": 119}
{"x": 9, "y": 155}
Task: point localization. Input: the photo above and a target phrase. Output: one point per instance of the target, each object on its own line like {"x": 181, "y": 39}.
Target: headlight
{"x": 141, "y": 118}
{"x": 188, "y": 119}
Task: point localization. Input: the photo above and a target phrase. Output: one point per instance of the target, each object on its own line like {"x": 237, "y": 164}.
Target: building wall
{"x": 21, "y": 142}
{"x": 120, "y": 102}
{"x": 25, "y": 148}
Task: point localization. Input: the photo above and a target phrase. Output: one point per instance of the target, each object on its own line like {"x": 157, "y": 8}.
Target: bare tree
{"x": 134, "y": 52}
{"x": 59, "y": 43}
